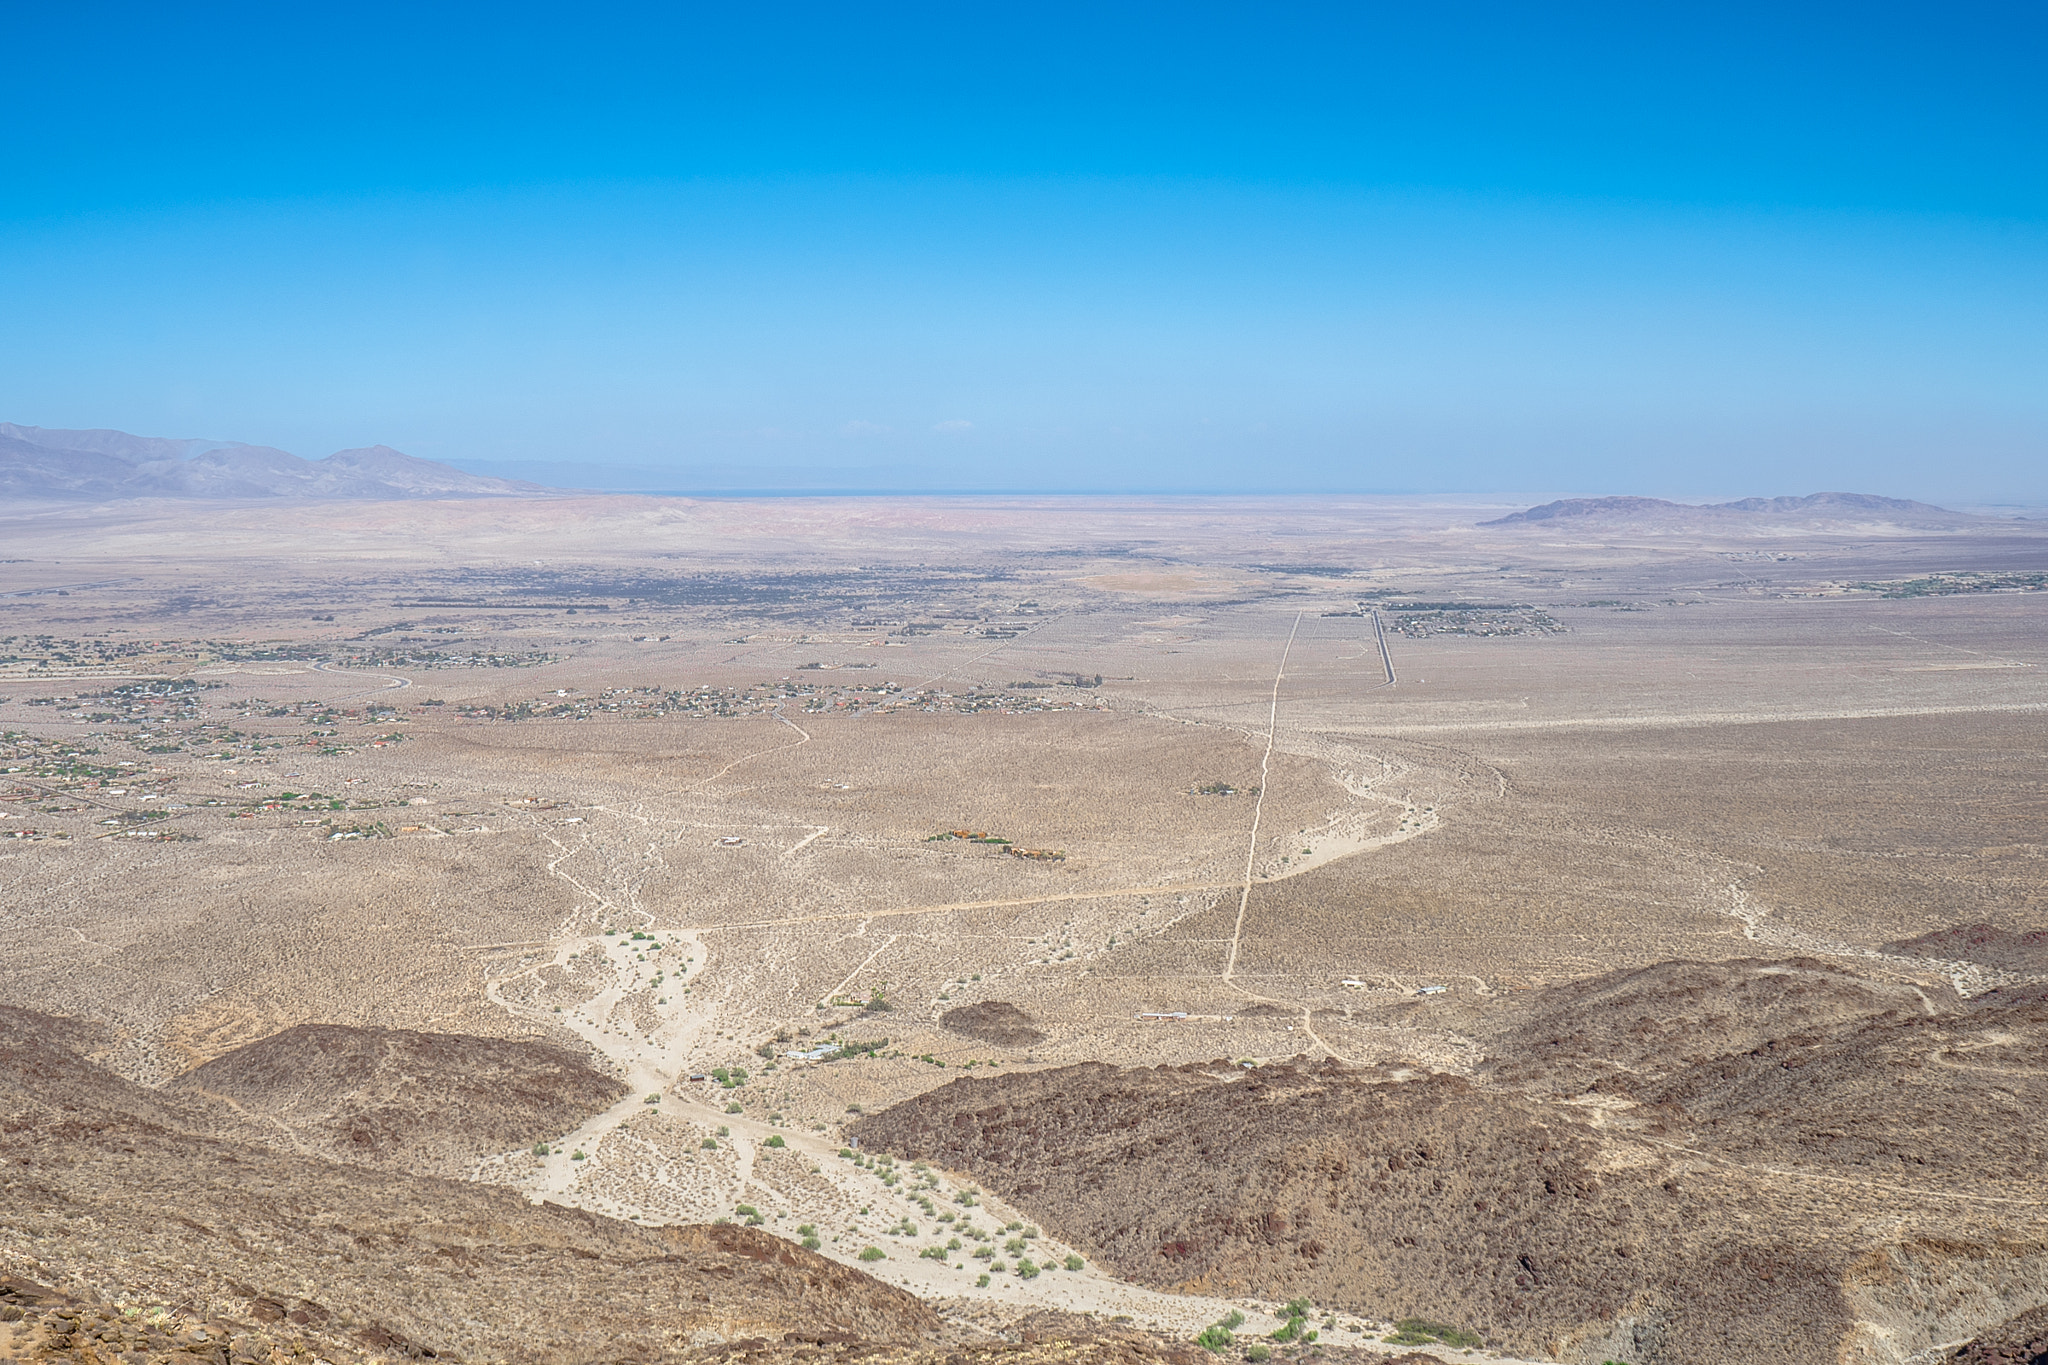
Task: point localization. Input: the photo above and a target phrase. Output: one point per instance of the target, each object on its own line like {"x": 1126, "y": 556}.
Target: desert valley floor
{"x": 1588, "y": 940}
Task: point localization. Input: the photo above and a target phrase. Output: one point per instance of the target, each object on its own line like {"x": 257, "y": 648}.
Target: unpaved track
{"x": 1251, "y": 856}
{"x": 1679, "y": 720}
{"x": 392, "y": 682}
{"x": 654, "y": 1061}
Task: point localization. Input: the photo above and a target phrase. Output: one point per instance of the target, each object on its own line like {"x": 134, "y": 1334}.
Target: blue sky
{"x": 1686, "y": 250}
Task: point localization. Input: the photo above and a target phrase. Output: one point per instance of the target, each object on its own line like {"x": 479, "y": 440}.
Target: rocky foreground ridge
{"x": 1684, "y": 1164}
{"x": 1691, "y": 1163}
{"x": 145, "y": 1226}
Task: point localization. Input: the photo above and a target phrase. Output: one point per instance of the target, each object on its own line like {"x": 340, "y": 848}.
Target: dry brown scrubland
{"x": 1696, "y": 874}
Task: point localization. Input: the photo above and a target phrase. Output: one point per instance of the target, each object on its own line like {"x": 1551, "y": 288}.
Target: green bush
{"x": 1026, "y": 1270}
{"x": 1423, "y": 1332}
{"x": 775, "y": 1140}
{"x": 873, "y": 1254}
{"x": 1075, "y": 1262}
{"x": 540, "y": 1149}
{"x": 981, "y": 1281}
{"x": 1216, "y": 1339}
{"x": 1256, "y": 1351}
{"x": 746, "y": 1210}
{"x": 811, "y": 1244}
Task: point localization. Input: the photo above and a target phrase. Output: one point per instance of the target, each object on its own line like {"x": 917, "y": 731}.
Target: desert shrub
{"x": 1075, "y": 1262}
{"x": 746, "y": 1210}
{"x": 1423, "y": 1332}
{"x": 1026, "y": 1270}
{"x": 1258, "y": 1351}
{"x": 873, "y": 1254}
{"x": 1296, "y": 1314}
{"x": 775, "y": 1141}
{"x": 540, "y": 1149}
{"x": 811, "y": 1244}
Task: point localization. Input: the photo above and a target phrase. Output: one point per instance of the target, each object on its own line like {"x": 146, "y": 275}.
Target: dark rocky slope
{"x": 1697, "y": 1162}
{"x": 429, "y": 1103}
{"x": 107, "y": 1190}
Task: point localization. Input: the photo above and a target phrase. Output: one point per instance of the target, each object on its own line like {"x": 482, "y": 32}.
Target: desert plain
{"x": 1600, "y": 937}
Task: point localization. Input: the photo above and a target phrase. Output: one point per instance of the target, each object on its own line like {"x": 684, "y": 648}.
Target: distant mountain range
{"x": 42, "y": 462}
{"x": 1815, "y": 508}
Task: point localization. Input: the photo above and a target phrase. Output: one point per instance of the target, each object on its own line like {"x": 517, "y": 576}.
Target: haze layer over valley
{"x": 1610, "y": 934}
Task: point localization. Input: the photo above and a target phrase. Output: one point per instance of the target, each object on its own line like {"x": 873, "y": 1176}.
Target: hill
{"x": 1694, "y": 1162}
{"x": 2006, "y": 949}
{"x": 1812, "y": 511}
{"x": 112, "y": 1188}
{"x": 423, "y": 1102}
{"x": 40, "y": 462}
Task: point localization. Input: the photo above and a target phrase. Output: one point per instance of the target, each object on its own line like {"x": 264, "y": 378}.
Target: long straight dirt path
{"x": 1251, "y": 853}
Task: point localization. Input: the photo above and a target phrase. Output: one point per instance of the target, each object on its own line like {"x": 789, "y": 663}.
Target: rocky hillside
{"x": 1700, "y": 1162}
{"x": 2008, "y": 950}
{"x": 112, "y": 1192}
{"x": 430, "y": 1103}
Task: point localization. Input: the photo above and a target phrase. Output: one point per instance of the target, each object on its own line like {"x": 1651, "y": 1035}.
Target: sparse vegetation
{"x": 1423, "y": 1332}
